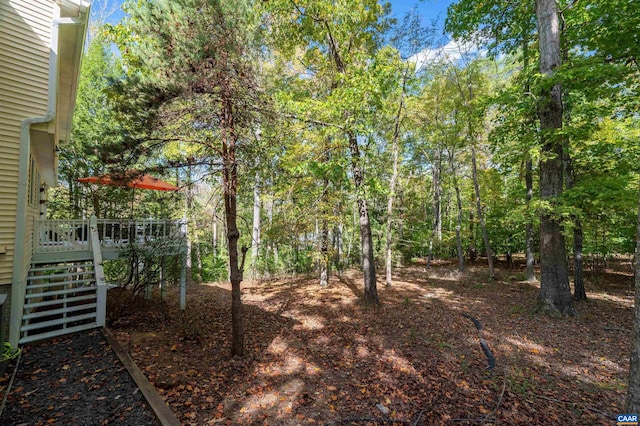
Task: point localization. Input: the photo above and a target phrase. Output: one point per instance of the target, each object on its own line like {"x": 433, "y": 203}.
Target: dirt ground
{"x": 315, "y": 355}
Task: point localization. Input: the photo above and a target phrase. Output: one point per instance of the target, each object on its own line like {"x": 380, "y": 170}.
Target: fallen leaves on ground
{"x": 316, "y": 355}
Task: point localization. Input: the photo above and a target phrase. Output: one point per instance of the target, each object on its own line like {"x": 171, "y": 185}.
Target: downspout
{"x": 18, "y": 283}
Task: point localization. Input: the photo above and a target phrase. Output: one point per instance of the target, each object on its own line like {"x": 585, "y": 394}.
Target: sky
{"x": 429, "y": 9}
{"x": 433, "y": 12}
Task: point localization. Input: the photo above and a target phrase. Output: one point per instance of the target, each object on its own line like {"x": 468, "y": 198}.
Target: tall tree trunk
{"x": 483, "y": 226}
{"x": 437, "y": 205}
{"x": 438, "y": 196}
{"x": 214, "y": 231}
{"x": 459, "y": 219}
{"x": 324, "y": 234}
{"x": 324, "y": 253}
{"x": 255, "y": 229}
{"x": 471, "y": 252}
{"x": 633, "y": 390}
{"x": 74, "y": 195}
{"x": 530, "y": 274}
{"x": 271, "y": 247}
{"x": 579, "y": 292}
{"x": 555, "y": 293}
{"x": 230, "y": 183}
{"x": 198, "y": 262}
{"x": 366, "y": 242}
{"x": 337, "y": 240}
{"x": 392, "y": 184}
{"x": 189, "y": 214}
{"x": 95, "y": 198}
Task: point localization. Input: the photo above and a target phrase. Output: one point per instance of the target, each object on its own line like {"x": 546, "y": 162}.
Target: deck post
{"x": 101, "y": 296}
{"x": 183, "y": 267}
{"x": 162, "y": 279}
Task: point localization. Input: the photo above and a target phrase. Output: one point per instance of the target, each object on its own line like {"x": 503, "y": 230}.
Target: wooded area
{"x": 314, "y": 136}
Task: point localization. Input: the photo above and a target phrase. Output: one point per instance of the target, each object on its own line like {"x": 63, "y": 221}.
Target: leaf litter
{"x": 316, "y": 355}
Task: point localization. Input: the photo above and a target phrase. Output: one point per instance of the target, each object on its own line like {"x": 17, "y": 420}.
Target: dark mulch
{"x": 73, "y": 380}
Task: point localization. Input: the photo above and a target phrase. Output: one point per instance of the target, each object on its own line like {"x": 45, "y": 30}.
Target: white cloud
{"x": 452, "y": 52}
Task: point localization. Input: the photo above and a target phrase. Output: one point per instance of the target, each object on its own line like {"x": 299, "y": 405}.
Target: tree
{"x": 96, "y": 133}
{"x": 555, "y": 293}
{"x": 194, "y": 56}
{"x": 339, "y": 44}
{"x": 409, "y": 38}
{"x": 468, "y": 82}
{"x": 506, "y": 27}
{"x": 633, "y": 393}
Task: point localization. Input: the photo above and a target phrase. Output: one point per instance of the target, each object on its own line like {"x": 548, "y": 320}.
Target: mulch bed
{"x": 73, "y": 380}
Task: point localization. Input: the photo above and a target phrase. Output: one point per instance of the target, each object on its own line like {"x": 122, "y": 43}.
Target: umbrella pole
{"x": 133, "y": 198}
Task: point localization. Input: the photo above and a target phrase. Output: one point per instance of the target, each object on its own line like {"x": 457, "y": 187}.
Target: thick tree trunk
{"x": 483, "y": 226}
{"x": 633, "y": 391}
{"x": 459, "y": 218}
{"x": 555, "y": 293}
{"x": 366, "y": 241}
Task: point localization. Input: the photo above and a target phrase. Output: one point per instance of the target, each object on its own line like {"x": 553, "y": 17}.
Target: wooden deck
{"x": 70, "y": 239}
{"x": 66, "y": 288}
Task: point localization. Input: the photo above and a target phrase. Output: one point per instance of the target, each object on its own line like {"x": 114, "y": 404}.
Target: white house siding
{"x": 25, "y": 38}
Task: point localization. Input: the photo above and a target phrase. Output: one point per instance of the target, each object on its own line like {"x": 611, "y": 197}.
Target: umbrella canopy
{"x": 132, "y": 180}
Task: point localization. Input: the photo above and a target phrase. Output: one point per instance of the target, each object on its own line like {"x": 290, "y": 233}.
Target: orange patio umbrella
{"x": 132, "y": 179}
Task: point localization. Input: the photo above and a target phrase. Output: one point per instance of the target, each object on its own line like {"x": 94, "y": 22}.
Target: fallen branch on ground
{"x": 485, "y": 348}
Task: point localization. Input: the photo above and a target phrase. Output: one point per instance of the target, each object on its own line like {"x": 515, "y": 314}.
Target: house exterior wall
{"x": 25, "y": 40}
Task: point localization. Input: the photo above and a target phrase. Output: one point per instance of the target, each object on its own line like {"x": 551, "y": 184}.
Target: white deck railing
{"x": 65, "y": 235}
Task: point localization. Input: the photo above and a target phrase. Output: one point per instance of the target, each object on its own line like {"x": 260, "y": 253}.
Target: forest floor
{"x": 315, "y": 355}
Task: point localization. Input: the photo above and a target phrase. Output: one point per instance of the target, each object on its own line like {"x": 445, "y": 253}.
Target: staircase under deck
{"x": 66, "y": 291}
{"x": 61, "y": 298}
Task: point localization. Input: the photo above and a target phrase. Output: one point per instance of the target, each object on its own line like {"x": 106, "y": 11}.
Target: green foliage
{"x": 302, "y": 76}
{"x": 214, "y": 268}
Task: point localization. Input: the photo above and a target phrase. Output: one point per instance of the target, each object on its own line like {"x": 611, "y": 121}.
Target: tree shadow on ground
{"x": 186, "y": 355}
{"x": 316, "y": 354}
